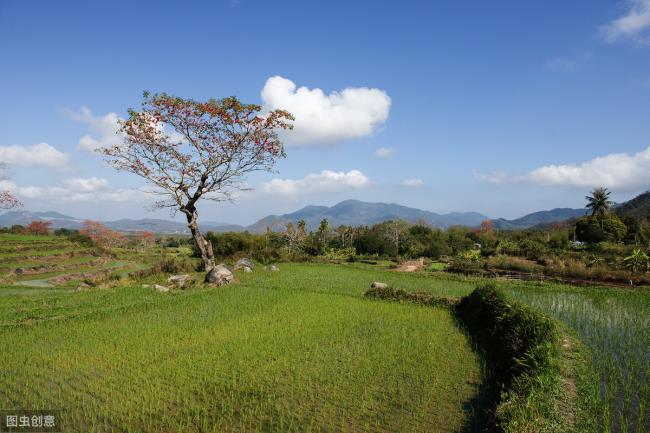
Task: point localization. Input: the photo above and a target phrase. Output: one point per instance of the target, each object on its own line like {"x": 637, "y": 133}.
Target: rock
{"x": 244, "y": 263}
{"x": 82, "y": 287}
{"x": 18, "y": 271}
{"x": 219, "y": 275}
{"x": 378, "y": 285}
{"x": 146, "y": 286}
{"x": 161, "y": 289}
{"x": 246, "y": 269}
{"x": 181, "y": 281}
{"x": 274, "y": 268}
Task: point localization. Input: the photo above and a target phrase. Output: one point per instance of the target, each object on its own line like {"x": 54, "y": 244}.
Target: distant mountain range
{"x": 59, "y": 220}
{"x": 357, "y": 213}
{"x": 538, "y": 218}
{"x": 348, "y": 212}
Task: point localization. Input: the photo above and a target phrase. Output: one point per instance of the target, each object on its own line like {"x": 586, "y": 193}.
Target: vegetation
{"x": 268, "y": 354}
{"x": 213, "y": 146}
{"x": 302, "y": 350}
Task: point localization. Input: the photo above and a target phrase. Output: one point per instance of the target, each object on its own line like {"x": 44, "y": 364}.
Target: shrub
{"x": 514, "y": 264}
{"x": 169, "y": 265}
{"x": 400, "y": 295}
{"x": 594, "y": 229}
{"x": 340, "y": 253}
{"x": 520, "y": 347}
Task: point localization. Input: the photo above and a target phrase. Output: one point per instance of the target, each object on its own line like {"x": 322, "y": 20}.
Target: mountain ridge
{"x": 348, "y": 212}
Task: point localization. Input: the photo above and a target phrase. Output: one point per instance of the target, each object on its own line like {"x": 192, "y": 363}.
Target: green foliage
{"x": 598, "y": 201}
{"x": 470, "y": 255}
{"x": 340, "y": 253}
{"x": 400, "y": 295}
{"x": 638, "y": 261}
{"x": 600, "y": 228}
{"x": 521, "y": 351}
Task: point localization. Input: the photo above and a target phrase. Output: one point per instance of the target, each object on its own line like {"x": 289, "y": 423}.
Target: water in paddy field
{"x": 615, "y": 325}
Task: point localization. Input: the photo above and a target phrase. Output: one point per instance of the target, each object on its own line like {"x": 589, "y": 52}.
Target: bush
{"x": 170, "y": 266}
{"x": 514, "y": 264}
{"x": 521, "y": 350}
{"x": 594, "y": 229}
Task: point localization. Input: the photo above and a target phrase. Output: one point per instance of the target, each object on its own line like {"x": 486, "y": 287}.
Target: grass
{"x": 283, "y": 356}
{"x": 611, "y": 326}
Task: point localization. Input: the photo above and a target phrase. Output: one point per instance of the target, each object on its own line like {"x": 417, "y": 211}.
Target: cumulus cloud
{"x": 634, "y": 24}
{"x": 619, "y": 171}
{"x": 326, "y": 119}
{"x": 412, "y": 183}
{"x": 325, "y": 181}
{"x": 103, "y": 129}
{"x": 41, "y": 154}
{"x": 94, "y": 190}
{"x": 385, "y": 152}
{"x": 85, "y": 184}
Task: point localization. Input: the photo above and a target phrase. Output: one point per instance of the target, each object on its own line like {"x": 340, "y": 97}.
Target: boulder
{"x": 82, "y": 287}
{"x": 161, "y": 289}
{"x": 181, "y": 281}
{"x": 244, "y": 263}
{"x": 378, "y": 285}
{"x": 246, "y": 269}
{"x": 274, "y": 268}
{"x": 219, "y": 275}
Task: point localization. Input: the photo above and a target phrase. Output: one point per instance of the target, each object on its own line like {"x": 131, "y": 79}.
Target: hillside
{"x": 357, "y": 213}
{"x": 638, "y": 207}
{"x": 58, "y": 220}
{"x": 348, "y": 212}
{"x": 538, "y": 218}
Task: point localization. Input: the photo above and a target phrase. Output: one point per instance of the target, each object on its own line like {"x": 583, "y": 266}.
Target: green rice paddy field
{"x": 296, "y": 350}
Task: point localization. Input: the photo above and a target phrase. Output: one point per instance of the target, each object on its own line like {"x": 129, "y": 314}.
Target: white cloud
{"x": 41, "y": 154}
{"x": 325, "y": 181}
{"x": 633, "y": 24}
{"x": 617, "y": 171}
{"x": 104, "y": 129}
{"x": 94, "y": 190}
{"x": 326, "y": 119}
{"x": 385, "y": 152}
{"x": 412, "y": 183}
{"x": 85, "y": 184}
{"x": 493, "y": 177}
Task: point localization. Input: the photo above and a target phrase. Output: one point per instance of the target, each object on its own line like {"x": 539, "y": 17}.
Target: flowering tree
{"x": 37, "y": 227}
{"x": 190, "y": 150}
{"x": 102, "y": 235}
{"x": 7, "y": 200}
{"x": 144, "y": 238}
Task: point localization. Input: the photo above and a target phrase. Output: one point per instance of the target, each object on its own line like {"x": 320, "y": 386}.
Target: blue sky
{"x": 497, "y": 107}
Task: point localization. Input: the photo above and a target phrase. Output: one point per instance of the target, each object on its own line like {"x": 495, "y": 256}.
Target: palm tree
{"x": 598, "y": 201}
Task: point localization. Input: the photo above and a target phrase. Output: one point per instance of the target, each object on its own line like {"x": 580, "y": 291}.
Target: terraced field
{"x": 56, "y": 262}
{"x": 295, "y": 350}
{"x": 264, "y": 354}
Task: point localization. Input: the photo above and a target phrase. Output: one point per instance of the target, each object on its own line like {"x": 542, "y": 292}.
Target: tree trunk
{"x": 204, "y": 246}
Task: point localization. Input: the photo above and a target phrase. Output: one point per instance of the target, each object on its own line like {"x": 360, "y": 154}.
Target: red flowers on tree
{"x": 190, "y": 150}
{"x": 7, "y": 200}
{"x": 144, "y": 238}
{"x": 38, "y": 227}
{"x": 102, "y": 235}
